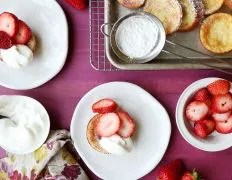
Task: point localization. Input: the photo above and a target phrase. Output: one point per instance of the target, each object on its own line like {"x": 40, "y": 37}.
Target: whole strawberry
{"x": 190, "y": 176}
{"x": 172, "y": 171}
{"x": 77, "y": 4}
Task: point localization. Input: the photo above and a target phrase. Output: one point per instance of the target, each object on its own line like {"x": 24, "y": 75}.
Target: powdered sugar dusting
{"x": 137, "y": 36}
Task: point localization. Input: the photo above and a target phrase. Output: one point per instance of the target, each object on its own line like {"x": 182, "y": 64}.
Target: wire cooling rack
{"x": 98, "y": 58}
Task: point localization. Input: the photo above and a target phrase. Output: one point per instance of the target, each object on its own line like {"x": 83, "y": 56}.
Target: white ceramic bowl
{"x": 214, "y": 142}
{"x": 44, "y": 124}
{"x": 48, "y": 22}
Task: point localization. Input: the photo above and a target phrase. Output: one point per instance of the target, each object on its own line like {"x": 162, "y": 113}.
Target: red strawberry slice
{"x": 77, "y": 4}
{"x": 222, "y": 103}
{"x": 108, "y": 124}
{"x": 219, "y": 87}
{"x": 5, "y": 41}
{"x": 9, "y": 23}
{"x": 200, "y": 130}
{"x": 224, "y": 127}
{"x": 221, "y": 116}
{"x": 104, "y": 106}
{"x": 172, "y": 171}
{"x": 196, "y": 110}
{"x": 127, "y": 127}
{"x": 210, "y": 124}
{"x": 202, "y": 95}
{"x": 24, "y": 33}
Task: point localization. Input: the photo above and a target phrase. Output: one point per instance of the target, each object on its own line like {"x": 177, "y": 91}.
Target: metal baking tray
{"x": 113, "y": 11}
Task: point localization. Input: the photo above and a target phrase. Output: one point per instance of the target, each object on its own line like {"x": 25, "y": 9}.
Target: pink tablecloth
{"x": 62, "y": 93}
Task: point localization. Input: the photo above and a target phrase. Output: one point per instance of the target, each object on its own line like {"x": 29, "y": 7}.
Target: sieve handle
{"x": 103, "y": 28}
{"x": 227, "y": 71}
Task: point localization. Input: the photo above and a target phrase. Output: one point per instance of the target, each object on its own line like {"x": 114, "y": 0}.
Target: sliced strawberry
{"x": 104, "y": 106}
{"x": 200, "y": 130}
{"x": 222, "y": 103}
{"x": 224, "y": 127}
{"x": 24, "y": 33}
{"x": 108, "y": 124}
{"x": 196, "y": 110}
{"x": 9, "y": 23}
{"x": 5, "y": 40}
{"x": 202, "y": 95}
{"x": 221, "y": 116}
{"x": 210, "y": 124}
{"x": 219, "y": 87}
{"x": 127, "y": 127}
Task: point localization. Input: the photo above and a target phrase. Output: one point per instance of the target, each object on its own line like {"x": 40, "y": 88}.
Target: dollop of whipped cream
{"x": 116, "y": 144}
{"x": 17, "y": 56}
{"x": 25, "y": 125}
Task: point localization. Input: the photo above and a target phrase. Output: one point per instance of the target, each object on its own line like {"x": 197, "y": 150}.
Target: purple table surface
{"x": 61, "y": 95}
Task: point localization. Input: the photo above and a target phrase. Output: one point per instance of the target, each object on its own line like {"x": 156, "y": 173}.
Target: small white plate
{"x": 152, "y": 136}
{"x": 216, "y": 141}
{"x": 48, "y": 22}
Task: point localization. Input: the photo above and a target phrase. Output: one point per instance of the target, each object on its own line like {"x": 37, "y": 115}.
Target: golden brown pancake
{"x": 32, "y": 43}
{"x": 215, "y": 33}
{"x": 91, "y": 135}
{"x": 211, "y": 6}
{"x": 169, "y": 13}
{"x": 131, "y": 4}
{"x": 193, "y": 14}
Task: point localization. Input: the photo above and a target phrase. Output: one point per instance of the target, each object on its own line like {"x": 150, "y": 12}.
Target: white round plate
{"x": 152, "y": 136}
{"x": 216, "y": 141}
{"x": 48, "y": 22}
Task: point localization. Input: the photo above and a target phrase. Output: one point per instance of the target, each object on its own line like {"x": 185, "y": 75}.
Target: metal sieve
{"x": 158, "y": 44}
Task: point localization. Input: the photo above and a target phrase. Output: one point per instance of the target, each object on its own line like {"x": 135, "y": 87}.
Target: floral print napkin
{"x": 52, "y": 161}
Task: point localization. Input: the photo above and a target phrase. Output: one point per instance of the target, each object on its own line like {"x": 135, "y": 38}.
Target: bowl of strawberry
{"x": 204, "y": 114}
